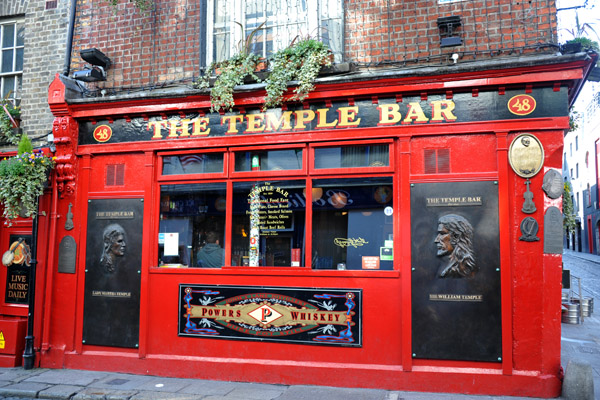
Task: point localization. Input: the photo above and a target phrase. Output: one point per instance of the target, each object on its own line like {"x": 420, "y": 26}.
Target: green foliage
{"x": 301, "y": 61}
{"x": 8, "y": 114}
{"x": 142, "y": 5}
{"x": 573, "y": 120}
{"x": 230, "y": 73}
{"x": 586, "y": 43}
{"x": 22, "y": 180}
{"x": 25, "y": 145}
{"x": 569, "y": 223}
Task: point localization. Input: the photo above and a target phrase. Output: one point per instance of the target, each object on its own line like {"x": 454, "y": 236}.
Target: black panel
{"x": 112, "y": 279}
{"x": 456, "y": 306}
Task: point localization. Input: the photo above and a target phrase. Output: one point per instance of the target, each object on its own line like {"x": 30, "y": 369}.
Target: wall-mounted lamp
{"x": 97, "y": 70}
{"x": 447, "y": 25}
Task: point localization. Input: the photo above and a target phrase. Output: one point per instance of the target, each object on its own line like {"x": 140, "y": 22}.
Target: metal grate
{"x": 437, "y": 161}
{"x": 115, "y": 174}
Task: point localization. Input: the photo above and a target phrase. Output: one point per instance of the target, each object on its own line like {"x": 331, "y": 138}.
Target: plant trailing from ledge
{"x": 230, "y": 73}
{"x": 9, "y": 115}
{"x": 301, "y": 61}
{"x": 569, "y": 222}
{"x": 142, "y": 5}
{"x": 22, "y": 180}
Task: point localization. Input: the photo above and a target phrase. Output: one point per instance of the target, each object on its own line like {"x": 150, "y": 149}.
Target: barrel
{"x": 570, "y": 313}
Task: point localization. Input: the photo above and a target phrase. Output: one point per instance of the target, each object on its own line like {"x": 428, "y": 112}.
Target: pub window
{"x": 269, "y": 160}
{"x": 197, "y": 163}
{"x": 284, "y": 21}
{"x": 192, "y": 219}
{"x": 268, "y": 223}
{"x": 12, "y": 40}
{"x": 352, "y": 224}
{"x": 254, "y": 212}
{"x": 352, "y": 156}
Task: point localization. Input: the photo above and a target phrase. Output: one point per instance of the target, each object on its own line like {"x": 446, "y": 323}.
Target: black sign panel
{"x": 456, "y": 271}
{"x": 112, "y": 279}
{"x": 297, "y": 315}
{"x": 17, "y": 274}
{"x": 393, "y": 111}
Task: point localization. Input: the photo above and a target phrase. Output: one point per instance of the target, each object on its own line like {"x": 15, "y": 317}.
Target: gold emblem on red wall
{"x": 521, "y": 104}
{"x": 102, "y": 133}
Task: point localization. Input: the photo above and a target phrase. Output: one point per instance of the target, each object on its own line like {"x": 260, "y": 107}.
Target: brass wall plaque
{"x": 553, "y": 231}
{"x": 67, "y": 255}
{"x": 526, "y": 155}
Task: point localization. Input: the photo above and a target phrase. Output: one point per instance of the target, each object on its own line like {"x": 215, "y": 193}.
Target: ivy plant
{"x": 142, "y": 5}
{"x": 301, "y": 61}
{"x": 569, "y": 222}
{"x": 230, "y": 73}
{"x": 22, "y": 180}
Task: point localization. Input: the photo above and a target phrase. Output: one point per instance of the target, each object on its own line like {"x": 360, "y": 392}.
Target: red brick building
{"x": 391, "y": 230}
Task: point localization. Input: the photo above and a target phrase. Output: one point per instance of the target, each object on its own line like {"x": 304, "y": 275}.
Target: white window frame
{"x": 15, "y": 94}
{"x": 279, "y": 23}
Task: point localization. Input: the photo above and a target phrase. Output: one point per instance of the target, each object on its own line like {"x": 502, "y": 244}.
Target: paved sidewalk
{"x": 90, "y": 385}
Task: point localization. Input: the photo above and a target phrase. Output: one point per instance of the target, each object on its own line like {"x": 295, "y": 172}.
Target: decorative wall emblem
{"x": 521, "y": 104}
{"x": 528, "y": 204}
{"x": 454, "y": 241}
{"x": 526, "y": 155}
{"x": 529, "y": 230}
{"x": 102, "y": 133}
{"x": 553, "y": 184}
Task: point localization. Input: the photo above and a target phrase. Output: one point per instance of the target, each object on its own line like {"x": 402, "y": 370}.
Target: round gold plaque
{"x": 526, "y": 155}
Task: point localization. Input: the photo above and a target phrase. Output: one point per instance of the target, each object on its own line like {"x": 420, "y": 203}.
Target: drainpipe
{"x": 67, "y": 67}
{"x": 29, "y": 353}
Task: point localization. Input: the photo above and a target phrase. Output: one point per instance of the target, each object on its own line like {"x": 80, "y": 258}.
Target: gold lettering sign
{"x": 526, "y": 155}
{"x": 456, "y": 297}
{"x": 342, "y": 242}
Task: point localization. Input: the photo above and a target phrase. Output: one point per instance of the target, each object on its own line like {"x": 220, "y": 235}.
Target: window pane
{"x": 273, "y": 160}
{"x": 192, "y": 225}
{"x": 353, "y": 223}
{"x": 20, "y": 35}
{"x": 19, "y": 60}
{"x": 352, "y": 156}
{"x": 8, "y": 86}
{"x": 268, "y": 223}
{"x": 8, "y": 36}
{"x": 193, "y": 164}
{"x": 7, "y": 60}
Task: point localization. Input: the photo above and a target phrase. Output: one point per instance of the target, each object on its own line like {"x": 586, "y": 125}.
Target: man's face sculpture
{"x": 443, "y": 241}
{"x": 118, "y": 246}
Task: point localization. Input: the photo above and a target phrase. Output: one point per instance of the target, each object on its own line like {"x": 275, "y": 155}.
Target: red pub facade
{"x": 396, "y": 229}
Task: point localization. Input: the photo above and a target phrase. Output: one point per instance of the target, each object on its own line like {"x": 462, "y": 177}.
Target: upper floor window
{"x": 231, "y": 21}
{"x": 11, "y": 62}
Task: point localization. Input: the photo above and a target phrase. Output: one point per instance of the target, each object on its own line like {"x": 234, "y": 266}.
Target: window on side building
{"x": 231, "y": 21}
{"x": 12, "y": 42}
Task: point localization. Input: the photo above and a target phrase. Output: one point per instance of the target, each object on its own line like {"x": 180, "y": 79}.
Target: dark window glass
{"x": 8, "y": 36}
{"x": 352, "y": 224}
{"x": 352, "y": 156}
{"x": 192, "y": 225}
{"x": 193, "y": 164}
{"x": 273, "y": 160}
{"x": 268, "y": 223}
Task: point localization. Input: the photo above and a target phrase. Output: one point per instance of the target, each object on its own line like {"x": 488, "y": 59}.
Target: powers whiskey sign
{"x": 311, "y": 316}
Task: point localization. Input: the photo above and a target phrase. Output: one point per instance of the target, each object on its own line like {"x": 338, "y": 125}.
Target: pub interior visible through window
{"x": 266, "y": 196}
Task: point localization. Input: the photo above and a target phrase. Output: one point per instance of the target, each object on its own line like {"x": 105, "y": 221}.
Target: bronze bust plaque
{"x": 526, "y": 155}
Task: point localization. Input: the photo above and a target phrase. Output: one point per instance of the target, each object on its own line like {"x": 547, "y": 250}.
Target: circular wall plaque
{"x": 526, "y": 155}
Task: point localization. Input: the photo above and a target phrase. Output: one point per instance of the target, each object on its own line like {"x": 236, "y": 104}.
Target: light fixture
{"x": 96, "y": 71}
{"x": 447, "y": 25}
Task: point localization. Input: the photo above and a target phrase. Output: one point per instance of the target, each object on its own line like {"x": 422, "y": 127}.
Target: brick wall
{"x": 162, "y": 46}
{"x": 44, "y": 54}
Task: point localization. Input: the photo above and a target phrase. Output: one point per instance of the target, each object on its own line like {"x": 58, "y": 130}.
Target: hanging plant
{"x": 301, "y": 61}
{"x": 231, "y": 73}
{"x": 142, "y": 5}
{"x": 9, "y": 116}
{"x": 22, "y": 180}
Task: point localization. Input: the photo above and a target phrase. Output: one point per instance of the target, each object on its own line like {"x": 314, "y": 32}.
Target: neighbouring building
{"x": 580, "y": 168}
{"x": 398, "y": 228}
